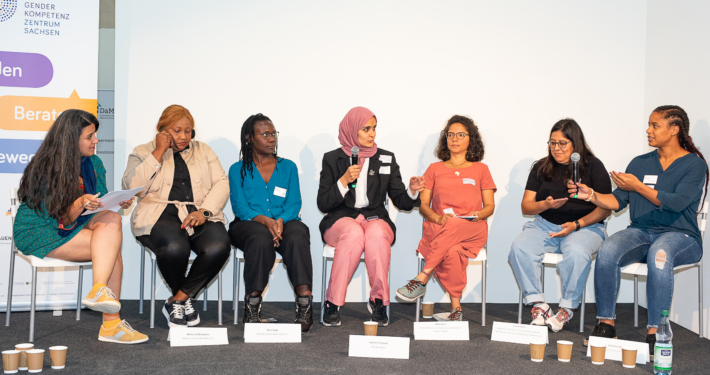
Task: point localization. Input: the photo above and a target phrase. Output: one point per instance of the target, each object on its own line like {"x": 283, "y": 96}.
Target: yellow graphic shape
{"x": 38, "y": 113}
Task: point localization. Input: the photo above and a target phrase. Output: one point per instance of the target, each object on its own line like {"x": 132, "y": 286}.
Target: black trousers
{"x": 255, "y": 240}
{"x": 171, "y": 246}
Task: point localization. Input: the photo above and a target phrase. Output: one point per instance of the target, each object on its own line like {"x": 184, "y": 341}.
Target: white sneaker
{"x": 560, "y": 319}
{"x": 540, "y": 314}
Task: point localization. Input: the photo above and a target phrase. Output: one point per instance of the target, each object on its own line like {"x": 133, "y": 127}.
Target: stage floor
{"x": 325, "y": 349}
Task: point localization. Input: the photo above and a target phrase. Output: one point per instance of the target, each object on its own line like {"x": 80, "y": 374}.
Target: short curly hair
{"x": 475, "y": 149}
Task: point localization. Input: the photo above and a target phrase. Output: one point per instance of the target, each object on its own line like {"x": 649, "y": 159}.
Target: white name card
{"x": 379, "y": 347}
{"x": 518, "y": 333}
{"x": 272, "y": 332}
{"x": 185, "y": 336}
{"x": 613, "y": 348}
{"x": 441, "y": 331}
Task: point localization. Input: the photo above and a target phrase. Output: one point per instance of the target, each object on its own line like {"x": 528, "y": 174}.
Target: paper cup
{"x": 58, "y": 357}
{"x": 628, "y": 357}
{"x": 10, "y": 361}
{"x": 371, "y": 328}
{"x": 564, "y": 350}
{"x": 35, "y": 360}
{"x": 537, "y": 351}
{"x": 598, "y": 354}
{"x": 428, "y": 310}
{"x": 23, "y": 357}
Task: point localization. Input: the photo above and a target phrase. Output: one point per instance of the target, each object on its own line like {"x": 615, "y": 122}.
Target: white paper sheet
{"x": 112, "y": 199}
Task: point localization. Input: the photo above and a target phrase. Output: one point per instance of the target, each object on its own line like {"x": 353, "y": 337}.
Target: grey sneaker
{"x": 455, "y": 316}
{"x": 412, "y": 291}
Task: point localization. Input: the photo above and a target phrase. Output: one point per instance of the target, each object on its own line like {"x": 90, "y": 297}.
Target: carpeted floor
{"x": 325, "y": 349}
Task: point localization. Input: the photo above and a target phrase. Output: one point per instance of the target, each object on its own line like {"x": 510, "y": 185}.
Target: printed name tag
{"x": 379, "y": 347}
{"x": 469, "y": 181}
{"x": 518, "y": 333}
{"x": 272, "y": 333}
{"x": 385, "y": 170}
{"x": 650, "y": 179}
{"x": 449, "y": 211}
{"x": 441, "y": 331}
{"x": 613, "y": 349}
{"x": 386, "y": 158}
{"x": 184, "y": 336}
{"x": 280, "y": 192}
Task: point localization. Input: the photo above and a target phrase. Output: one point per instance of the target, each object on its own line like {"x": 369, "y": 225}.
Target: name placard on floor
{"x": 272, "y": 332}
{"x": 613, "y": 349}
{"x": 185, "y": 336}
{"x": 379, "y": 347}
{"x": 518, "y": 333}
{"x": 441, "y": 331}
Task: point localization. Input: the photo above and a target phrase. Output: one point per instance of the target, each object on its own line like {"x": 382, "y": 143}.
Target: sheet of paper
{"x": 441, "y": 331}
{"x": 275, "y": 332}
{"x": 379, "y": 347}
{"x": 613, "y": 349}
{"x": 112, "y": 199}
{"x": 518, "y": 333}
{"x": 191, "y": 336}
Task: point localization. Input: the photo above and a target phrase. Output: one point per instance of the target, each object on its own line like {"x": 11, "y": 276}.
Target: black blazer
{"x": 335, "y": 206}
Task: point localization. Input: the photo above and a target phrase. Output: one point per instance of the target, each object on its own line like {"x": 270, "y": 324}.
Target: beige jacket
{"x": 210, "y": 185}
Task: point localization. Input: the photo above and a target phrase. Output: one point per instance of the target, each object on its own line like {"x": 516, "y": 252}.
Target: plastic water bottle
{"x": 663, "y": 352}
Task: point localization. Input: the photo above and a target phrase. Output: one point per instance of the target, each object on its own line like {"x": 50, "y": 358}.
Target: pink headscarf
{"x": 351, "y": 124}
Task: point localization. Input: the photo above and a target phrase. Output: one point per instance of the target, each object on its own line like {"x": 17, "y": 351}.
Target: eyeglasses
{"x": 451, "y": 135}
{"x": 562, "y": 144}
{"x": 274, "y": 135}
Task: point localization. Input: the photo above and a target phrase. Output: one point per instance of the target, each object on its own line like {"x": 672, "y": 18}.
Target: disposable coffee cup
{"x": 564, "y": 350}
{"x": 428, "y": 310}
{"x": 58, "y": 357}
{"x": 628, "y": 357}
{"x": 371, "y": 328}
{"x": 23, "y": 356}
{"x": 10, "y": 361}
{"x": 598, "y": 353}
{"x": 35, "y": 360}
{"x": 537, "y": 351}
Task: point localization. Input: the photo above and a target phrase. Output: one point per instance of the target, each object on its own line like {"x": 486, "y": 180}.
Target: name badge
{"x": 449, "y": 211}
{"x": 469, "y": 181}
{"x": 379, "y": 347}
{"x": 386, "y": 158}
{"x": 280, "y": 192}
{"x": 441, "y": 331}
{"x": 518, "y": 333}
{"x": 385, "y": 170}
{"x": 272, "y": 333}
{"x": 650, "y": 179}
{"x": 184, "y": 336}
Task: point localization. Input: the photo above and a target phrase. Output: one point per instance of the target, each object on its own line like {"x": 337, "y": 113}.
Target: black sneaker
{"x": 331, "y": 315}
{"x": 175, "y": 313}
{"x": 602, "y": 330}
{"x": 651, "y": 341}
{"x": 252, "y": 309}
{"x": 378, "y": 312}
{"x": 304, "y": 312}
{"x": 191, "y": 315}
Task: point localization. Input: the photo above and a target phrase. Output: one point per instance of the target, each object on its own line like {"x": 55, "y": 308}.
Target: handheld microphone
{"x": 354, "y": 151}
{"x": 575, "y": 159}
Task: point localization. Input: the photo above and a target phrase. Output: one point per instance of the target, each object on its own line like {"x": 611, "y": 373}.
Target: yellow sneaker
{"x": 102, "y": 300}
{"x": 121, "y": 334}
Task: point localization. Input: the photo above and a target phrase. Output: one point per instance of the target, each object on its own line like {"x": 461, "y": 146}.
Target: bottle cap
{"x": 664, "y": 313}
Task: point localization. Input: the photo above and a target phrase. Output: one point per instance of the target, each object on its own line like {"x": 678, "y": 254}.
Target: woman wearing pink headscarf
{"x": 353, "y": 199}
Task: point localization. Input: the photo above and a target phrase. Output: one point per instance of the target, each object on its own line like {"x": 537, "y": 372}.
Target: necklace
{"x": 457, "y": 165}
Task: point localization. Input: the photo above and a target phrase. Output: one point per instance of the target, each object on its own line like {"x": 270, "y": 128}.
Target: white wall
{"x": 515, "y": 67}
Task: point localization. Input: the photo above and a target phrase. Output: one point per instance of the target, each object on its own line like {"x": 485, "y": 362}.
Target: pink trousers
{"x": 351, "y": 237}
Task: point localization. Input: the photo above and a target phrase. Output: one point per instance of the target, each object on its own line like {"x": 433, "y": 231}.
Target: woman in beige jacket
{"x": 180, "y": 209}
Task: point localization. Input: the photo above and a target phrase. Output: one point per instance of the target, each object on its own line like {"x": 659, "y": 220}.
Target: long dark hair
{"x": 676, "y": 116}
{"x": 51, "y": 180}
{"x": 573, "y": 132}
{"x": 247, "y": 152}
{"x": 475, "y": 149}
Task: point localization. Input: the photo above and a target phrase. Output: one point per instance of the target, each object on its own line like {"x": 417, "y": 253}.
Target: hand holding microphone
{"x": 353, "y": 173}
{"x": 575, "y": 178}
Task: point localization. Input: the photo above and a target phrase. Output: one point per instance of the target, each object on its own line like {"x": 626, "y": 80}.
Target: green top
{"x": 38, "y": 234}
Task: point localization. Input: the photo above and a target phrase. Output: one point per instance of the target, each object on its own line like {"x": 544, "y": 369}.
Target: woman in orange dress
{"x": 460, "y": 190}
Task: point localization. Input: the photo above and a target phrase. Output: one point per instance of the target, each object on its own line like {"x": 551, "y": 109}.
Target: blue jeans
{"x": 577, "y": 249}
{"x": 661, "y": 251}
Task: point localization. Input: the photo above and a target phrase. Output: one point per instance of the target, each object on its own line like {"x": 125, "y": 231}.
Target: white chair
{"x": 36, "y": 262}
{"x": 238, "y": 257}
{"x": 483, "y": 258}
{"x": 153, "y": 271}
{"x": 329, "y": 252}
{"x": 641, "y": 269}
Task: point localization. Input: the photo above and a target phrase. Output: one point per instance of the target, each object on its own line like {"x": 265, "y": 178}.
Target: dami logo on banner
{"x": 7, "y": 9}
{"x": 16, "y": 153}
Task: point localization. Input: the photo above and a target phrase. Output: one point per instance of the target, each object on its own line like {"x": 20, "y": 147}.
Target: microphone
{"x": 354, "y": 151}
{"x": 575, "y": 159}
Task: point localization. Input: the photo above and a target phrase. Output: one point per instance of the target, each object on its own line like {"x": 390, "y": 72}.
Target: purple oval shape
{"x": 19, "y": 69}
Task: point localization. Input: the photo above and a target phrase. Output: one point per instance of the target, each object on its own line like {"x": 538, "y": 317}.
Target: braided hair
{"x": 676, "y": 116}
{"x": 247, "y": 152}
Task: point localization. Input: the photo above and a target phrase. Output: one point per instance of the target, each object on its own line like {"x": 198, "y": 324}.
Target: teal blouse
{"x": 37, "y": 234}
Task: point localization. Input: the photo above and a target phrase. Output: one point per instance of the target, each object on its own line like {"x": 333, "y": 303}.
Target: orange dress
{"x": 448, "y": 247}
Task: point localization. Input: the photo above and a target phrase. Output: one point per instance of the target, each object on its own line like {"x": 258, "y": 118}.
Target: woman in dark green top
{"x": 63, "y": 180}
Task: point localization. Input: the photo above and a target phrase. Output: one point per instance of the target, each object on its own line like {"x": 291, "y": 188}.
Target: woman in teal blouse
{"x": 266, "y": 204}
{"x": 63, "y": 180}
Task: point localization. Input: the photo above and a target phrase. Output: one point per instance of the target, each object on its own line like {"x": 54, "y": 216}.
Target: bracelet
{"x": 590, "y": 196}
{"x": 576, "y": 222}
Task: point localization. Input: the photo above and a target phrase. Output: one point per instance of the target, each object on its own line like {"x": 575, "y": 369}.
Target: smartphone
{"x": 467, "y": 217}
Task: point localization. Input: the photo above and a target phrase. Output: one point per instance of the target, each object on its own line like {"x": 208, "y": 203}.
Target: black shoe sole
{"x": 330, "y": 324}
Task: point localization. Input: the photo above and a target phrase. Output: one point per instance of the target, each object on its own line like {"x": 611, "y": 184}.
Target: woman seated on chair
{"x": 663, "y": 190}
{"x": 356, "y": 219}
{"x": 63, "y": 180}
{"x": 266, "y": 199}
{"x": 574, "y": 228}
{"x": 180, "y": 209}
{"x": 456, "y": 200}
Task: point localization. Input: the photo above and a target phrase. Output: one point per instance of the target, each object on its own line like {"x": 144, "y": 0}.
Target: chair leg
{"x": 420, "y": 266}
{"x": 636, "y": 301}
{"x": 701, "y": 333}
{"x": 8, "y": 306}
{"x": 484, "y": 265}
{"x": 204, "y": 303}
{"x": 152, "y": 293}
{"x": 520, "y": 308}
{"x": 581, "y": 311}
{"x": 140, "y": 305}
{"x": 78, "y": 293}
{"x": 542, "y": 278}
{"x": 388, "y": 283}
{"x": 236, "y": 288}
{"x": 219, "y": 298}
{"x": 33, "y": 304}
{"x": 322, "y": 288}
{"x": 234, "y": 281}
